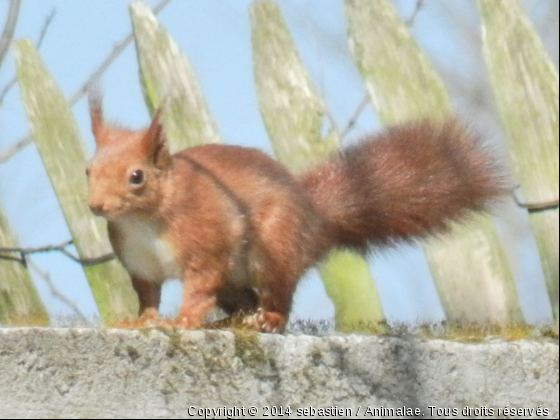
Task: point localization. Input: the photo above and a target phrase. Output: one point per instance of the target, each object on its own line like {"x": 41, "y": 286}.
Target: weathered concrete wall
{"x": 109, "y": 373}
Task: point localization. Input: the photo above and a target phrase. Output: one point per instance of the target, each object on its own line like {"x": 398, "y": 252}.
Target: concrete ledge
{"x": 65, "y": 373}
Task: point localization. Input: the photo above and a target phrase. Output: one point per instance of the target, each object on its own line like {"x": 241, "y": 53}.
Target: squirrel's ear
{"x": 154, "y": 142}
{"x": 96, "y": 115}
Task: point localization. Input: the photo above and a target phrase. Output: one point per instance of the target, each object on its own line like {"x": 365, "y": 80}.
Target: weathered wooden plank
{"x": 58, "y": 140}
{"x": 19, "y": 300}
{"x": 167, "y": 75}
{"x": 525, "y": 84}
{"x": 469, "y": 267}
{"x": 293, "y": 113}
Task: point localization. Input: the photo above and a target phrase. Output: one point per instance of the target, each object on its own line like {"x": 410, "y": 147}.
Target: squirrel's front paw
{"x": 149, "y": 317}
{"x": 266, "y": 322}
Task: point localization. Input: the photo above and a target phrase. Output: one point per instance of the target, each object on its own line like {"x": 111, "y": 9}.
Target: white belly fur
{"x": 144, "y": 253}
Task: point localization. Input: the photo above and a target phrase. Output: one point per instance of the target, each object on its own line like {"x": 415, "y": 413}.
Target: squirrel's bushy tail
{"x": 408, "y": 182}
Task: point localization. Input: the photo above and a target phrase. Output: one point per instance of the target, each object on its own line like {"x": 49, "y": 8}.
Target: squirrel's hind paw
{"x": 266, "y": 322}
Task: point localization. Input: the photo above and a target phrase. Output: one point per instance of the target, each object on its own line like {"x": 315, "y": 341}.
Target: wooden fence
{"x": 472, "y": 276}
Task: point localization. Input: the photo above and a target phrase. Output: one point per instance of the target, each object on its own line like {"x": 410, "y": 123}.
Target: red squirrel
{"x": 240, "y": 230}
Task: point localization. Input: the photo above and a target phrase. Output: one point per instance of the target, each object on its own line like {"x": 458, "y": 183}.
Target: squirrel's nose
{"x": 96, "y": 208}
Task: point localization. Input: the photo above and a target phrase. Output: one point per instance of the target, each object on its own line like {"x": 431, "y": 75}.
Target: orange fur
{"x": 240, "y": 230}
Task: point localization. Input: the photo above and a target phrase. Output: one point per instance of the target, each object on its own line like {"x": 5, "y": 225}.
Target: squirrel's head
{"x": 126, "y": 173}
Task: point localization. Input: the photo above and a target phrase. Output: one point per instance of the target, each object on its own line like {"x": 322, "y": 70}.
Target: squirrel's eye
{"x": 87, "y": 171}
{"x": 136, "y": 178}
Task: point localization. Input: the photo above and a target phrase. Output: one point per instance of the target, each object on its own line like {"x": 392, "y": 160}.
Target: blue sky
{"x": 215, "y": 35}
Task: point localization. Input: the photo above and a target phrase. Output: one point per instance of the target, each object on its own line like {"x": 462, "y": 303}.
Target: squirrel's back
{"x": 245, "y": 172}
{"x": 279, "y": 216}
{"x": 251, "y": 180}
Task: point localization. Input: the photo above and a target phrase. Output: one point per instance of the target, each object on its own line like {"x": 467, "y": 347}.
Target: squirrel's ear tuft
{"x": 155, "y": 130}
{"x": 96, "y": 114}
{"x": 154, "y": 142}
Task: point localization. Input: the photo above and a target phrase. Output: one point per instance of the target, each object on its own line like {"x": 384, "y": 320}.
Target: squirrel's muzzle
{"x": 97, "y": 208}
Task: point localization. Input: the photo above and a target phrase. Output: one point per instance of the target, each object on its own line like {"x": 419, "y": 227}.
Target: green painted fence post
{"x": 19, "y": 300}
{"x": 167, "y": 75}
{"x": 293, "y": 114}
{"x": 469, "y": 267}
{"x": 525, "y": 85}
{"x": 58, "y": 140}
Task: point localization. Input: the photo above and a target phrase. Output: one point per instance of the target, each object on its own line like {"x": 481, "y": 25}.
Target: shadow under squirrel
{"x": 240, "y": 230}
